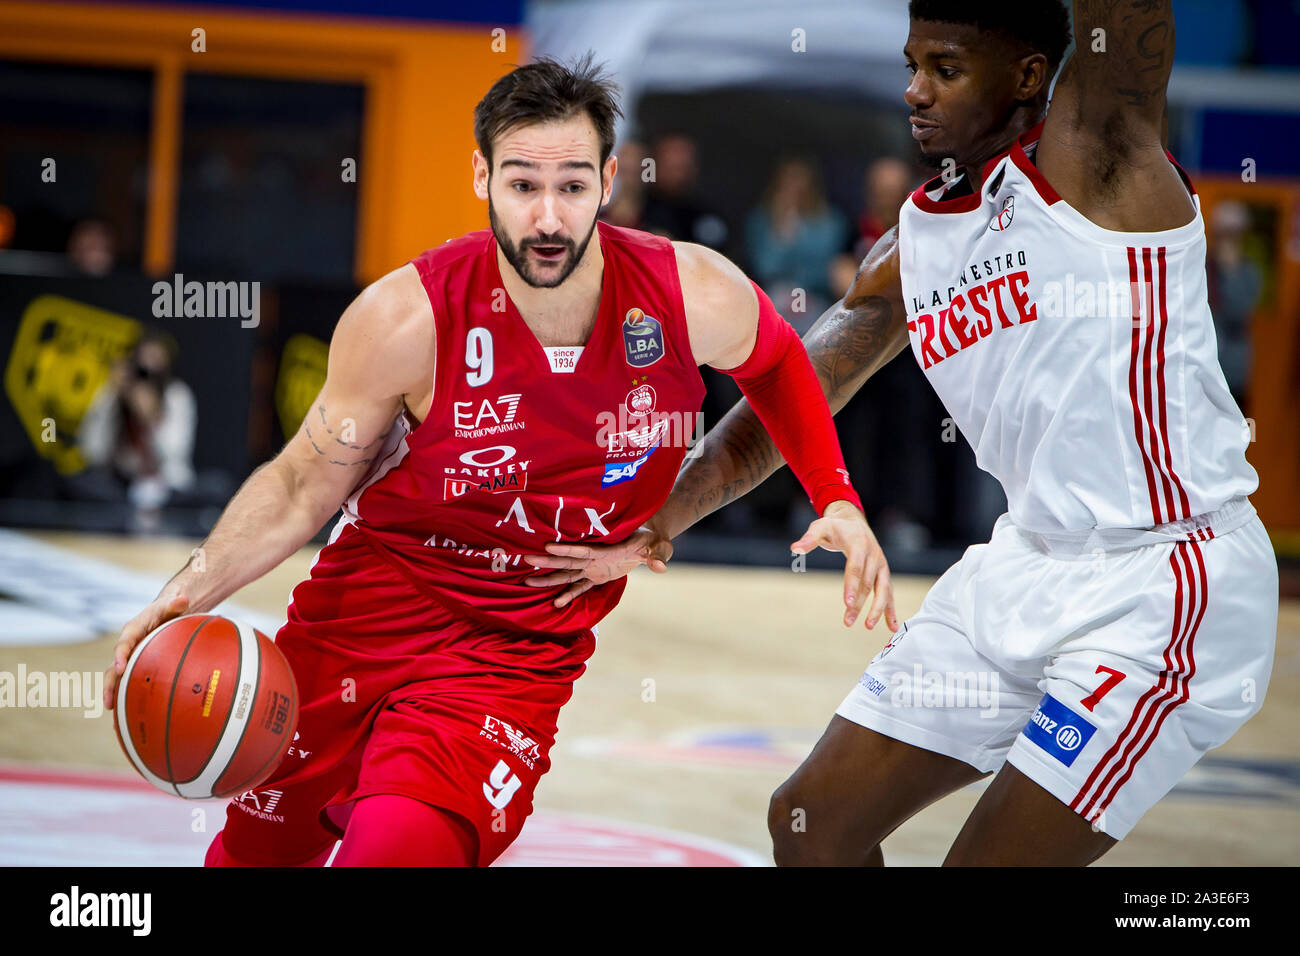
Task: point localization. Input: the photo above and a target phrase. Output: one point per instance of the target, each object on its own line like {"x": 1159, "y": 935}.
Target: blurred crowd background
{"x": 312, "y": 147}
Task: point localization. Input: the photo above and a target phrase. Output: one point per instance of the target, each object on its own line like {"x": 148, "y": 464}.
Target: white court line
{"x": 92, "y": 596}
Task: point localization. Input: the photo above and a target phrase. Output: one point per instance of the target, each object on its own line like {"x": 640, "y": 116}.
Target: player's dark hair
{"x": 548, "y": 90}
{"x": 1041, "y": 25}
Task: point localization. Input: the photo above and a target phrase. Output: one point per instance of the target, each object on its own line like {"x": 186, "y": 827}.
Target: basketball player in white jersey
{"x": 1121, "y": 620}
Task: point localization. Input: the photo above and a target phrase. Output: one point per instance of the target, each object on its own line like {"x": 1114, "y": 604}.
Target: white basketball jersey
{"x": 1079, "y": 363}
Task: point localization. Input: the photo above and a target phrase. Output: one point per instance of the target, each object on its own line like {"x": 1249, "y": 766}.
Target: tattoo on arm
{"x": 1139, "y": 47}
{"x": 324, "y": 427}
{"x": 851, "y": 341}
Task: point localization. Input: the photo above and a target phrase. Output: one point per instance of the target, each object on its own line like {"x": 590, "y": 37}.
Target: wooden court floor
{"x": 708, "y": 686}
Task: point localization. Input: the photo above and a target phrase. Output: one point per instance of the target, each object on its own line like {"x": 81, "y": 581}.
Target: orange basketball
{"x": 206, "y": 707}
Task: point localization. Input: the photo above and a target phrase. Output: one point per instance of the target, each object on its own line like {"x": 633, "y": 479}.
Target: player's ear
{"x": 1032, "y": 76}
{"x": 607, "y": 178}
{"x": 481, "y": 170}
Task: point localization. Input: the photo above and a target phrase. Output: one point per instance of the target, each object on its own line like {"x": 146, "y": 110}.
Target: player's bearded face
{"x": 542, "y": 260}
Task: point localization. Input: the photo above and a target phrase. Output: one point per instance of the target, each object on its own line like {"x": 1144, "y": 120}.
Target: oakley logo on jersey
{"x": 618, "y": 473}
{"x": 1058, "y": 730}
{"x": 643, "y": 339}
{"x": 490, "y": 473}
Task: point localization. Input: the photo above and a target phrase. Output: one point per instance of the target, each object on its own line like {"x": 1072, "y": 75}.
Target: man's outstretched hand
{"x": 583, "y": 566}
{"x": 170, "y": 604}
{"x": 843, "y": 528}
{"x": 866, "y": 573}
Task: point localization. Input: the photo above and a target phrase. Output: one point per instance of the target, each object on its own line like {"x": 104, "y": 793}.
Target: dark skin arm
{"x": 849, "y": 343}
{"x": 1103, "y": 145}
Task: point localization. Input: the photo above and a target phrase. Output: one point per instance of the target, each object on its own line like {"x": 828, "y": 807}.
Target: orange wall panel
{"x": 421, "y": 85}
{"x": 1275, "y": 382}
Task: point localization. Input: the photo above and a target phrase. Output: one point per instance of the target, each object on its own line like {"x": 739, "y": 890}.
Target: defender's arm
{"x": 1103, "y": 143}
{"x": 849, "y": 343}
{"x": 1124, "y": 54}
{"x": 735, "y": 328}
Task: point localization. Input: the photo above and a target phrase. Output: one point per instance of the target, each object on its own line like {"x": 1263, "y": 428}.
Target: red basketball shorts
{"x": 401, "y": 696}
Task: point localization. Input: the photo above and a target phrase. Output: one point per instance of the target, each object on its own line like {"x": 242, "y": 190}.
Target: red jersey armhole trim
{"x": 961, "y": 204}
{"x": 683, "y": 334}
{"x": 1187, "y": 180}
{"x": 1044, "y": 188}
{"x": 422, "y": 267}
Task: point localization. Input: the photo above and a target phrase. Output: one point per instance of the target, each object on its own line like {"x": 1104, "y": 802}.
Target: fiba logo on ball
{"x": 1069, "y": 737}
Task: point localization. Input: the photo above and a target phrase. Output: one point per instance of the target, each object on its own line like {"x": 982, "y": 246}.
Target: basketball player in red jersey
{"x": 1126, "y": 606}
{"x": 533, "y": 382}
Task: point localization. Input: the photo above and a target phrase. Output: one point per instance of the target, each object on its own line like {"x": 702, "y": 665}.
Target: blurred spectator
{"x": 791, "y": 239}
{"x": 669, "y": 205}
{"x": 885, "y": 187}
{"x": 138, "y": 435}
{"x": 672, "y": 206}
{"x": 92, "y": 249}
{"x": 627, "y": 202}
{"x": 1235, "y": 284}
{"x": 894, "y": 428}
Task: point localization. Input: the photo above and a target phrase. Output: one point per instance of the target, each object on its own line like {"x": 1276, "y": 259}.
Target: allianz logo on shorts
{"x": 1058, "y": 730}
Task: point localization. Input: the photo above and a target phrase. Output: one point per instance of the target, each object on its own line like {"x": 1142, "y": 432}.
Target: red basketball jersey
{"x": 521, "y": 447}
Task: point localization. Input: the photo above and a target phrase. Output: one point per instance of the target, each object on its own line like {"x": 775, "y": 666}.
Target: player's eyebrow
{"x": 948, "y": 50}
{"x": 567, "y": 164}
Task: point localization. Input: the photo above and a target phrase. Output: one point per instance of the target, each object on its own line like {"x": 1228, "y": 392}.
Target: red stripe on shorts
{"x": 1169, "y": 691}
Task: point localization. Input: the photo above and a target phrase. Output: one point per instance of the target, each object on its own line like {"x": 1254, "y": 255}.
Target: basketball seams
{"x": 234, "y": 701}
{"x": 228, "y": 743}
{"x": 293, "y": 722}
{"x": 123, "y": 726}
{"x": 171, "y": 698}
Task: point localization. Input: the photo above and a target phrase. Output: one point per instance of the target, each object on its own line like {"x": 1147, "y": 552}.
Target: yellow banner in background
{"x": 302, "y": 374}
{"x": 61, "y": 356}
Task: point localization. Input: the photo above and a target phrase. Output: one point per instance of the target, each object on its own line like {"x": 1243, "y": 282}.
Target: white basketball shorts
{"x": 1101, "y": 665}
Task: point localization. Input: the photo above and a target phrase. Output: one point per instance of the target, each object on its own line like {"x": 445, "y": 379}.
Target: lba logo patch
{"x": 1058, "y": 730}
{"x": 643, "y": 339}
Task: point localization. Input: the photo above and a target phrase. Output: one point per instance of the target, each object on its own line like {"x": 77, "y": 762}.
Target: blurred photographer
{"x": 138, "y": 435}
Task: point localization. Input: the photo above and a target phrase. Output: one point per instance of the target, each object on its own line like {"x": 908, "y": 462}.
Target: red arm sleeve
{"x": 784, "y": 392}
